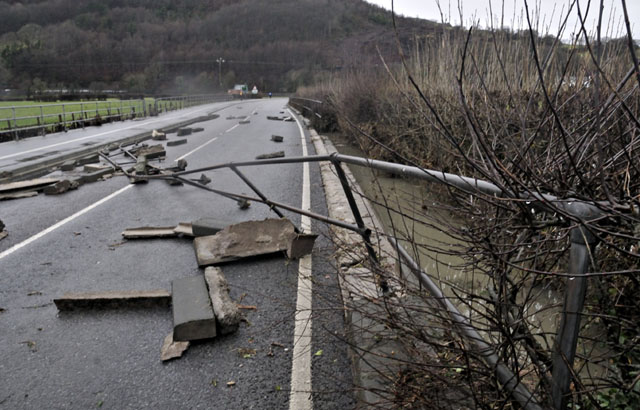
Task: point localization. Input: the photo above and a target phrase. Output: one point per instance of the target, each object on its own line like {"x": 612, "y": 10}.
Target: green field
{"x": 23, "y": 114}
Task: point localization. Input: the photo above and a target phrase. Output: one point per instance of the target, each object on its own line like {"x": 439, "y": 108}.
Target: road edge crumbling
{"x": 369, "y": 348}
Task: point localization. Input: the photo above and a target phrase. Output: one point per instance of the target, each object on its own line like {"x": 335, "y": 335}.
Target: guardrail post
{"x": 44, "y": 125}
{"x": 364, "y": 232}
{"x": 64, "y": 118}
{"x": 581, "y": 250}
{"x": 15, "y": 124}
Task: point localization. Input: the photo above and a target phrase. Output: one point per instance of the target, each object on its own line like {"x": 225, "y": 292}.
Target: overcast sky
{"x": 549, "y": 11}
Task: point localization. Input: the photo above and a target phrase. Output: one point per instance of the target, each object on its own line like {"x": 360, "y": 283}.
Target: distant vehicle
{"x": 238, "y": 91}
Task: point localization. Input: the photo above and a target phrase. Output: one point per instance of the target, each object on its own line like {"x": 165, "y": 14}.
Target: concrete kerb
{"x": 358, "y": 285}
{"x": 41, "y": 167}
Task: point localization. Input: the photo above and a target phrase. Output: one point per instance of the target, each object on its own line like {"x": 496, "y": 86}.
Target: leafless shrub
{"x": 533, "y": 115}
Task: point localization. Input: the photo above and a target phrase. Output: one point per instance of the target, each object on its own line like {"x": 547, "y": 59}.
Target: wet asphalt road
{"x": 111, "y": 359}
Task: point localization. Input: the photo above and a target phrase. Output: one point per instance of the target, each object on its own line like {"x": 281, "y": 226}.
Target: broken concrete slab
{"x": 181, "y": 165}
{"x": 184, "y": 132}
{"x": 228, "y": 316}
{"x": 207, "y": 226}
{"x": 243, "y": 203}
{"x": 117, "y": 299}
{"x": 277, "y": 138}
{"x": 198, "y": 129}
{"x": 3, "y": 235}
{"x": 184, "y": 229}
{"x": 94, "y": 176}
{"x": 30, "y": 185}
{"x": 89, "y": 159}
{"x": 68, "y": 165}
{"x": 152, "y": 232}
{"x": 1, "y": 225}
{"x": 244, "y": 122}
{"x": 146, "y": 232}
{"x": 193, "y": 317}
{"x": 204, "y": 180}
{"x": 96, "y": 167}
{"x": 243, "y": 240}
{"x": 18, "y": 195}
{"x": 172, "y": 349}
{"x": 278, "y": 154}
{"x": 151, "y": 152}
{"x": 60, "y": 187}
{"x": 301, "y": 245}
{"x": 176, "y": 142}
{"x": 158, "y": 136}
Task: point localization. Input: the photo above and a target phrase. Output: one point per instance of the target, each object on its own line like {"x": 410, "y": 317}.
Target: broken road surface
{"x": 72, "y": 243}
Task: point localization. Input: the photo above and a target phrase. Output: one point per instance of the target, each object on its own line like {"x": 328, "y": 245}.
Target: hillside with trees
{"x": 162, "y": 46}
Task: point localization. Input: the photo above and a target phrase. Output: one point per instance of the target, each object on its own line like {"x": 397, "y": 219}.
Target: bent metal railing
{"x": 580, "y": 213}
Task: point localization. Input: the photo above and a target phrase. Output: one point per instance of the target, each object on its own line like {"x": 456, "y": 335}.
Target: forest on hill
{"x": 162, "y": 46}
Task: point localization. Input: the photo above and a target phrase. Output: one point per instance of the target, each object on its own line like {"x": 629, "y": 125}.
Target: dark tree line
{"x": 145, "y": 46}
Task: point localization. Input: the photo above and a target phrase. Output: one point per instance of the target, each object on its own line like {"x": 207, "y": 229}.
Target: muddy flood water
{"x": 411, "y": 211}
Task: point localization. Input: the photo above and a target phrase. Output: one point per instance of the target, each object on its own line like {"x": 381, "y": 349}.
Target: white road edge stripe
{"x": 61, "y": 223}
{"x": 195, "y": 149}
{"x": 300, "y": 396}
{"x": 97, "y": 135}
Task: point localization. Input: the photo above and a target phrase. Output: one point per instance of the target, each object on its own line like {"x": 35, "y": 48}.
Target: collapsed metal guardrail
{"x": 581, "y": 213}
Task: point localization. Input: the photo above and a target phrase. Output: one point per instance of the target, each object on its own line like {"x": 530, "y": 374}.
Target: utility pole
{"x": 220, "y": 60}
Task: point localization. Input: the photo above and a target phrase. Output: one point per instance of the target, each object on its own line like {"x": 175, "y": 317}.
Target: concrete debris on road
{"x": 280, "y": 118}
{"x": 111, "y": 300}
{"x": 60, "y": 187}
{"x": 96, "y": 167}
{"x": 243, "y": 203}
{"x": 158, "y": 136}
{"x": 277, "y": 138}
{"x": 301, "y": 245}
{"x": 249, "y": 239}
{"x": 173, "y": 143}
{"x": 172, "y": 349}
{"x": 95, "y": 175}
{"x": 69, "y": 165}
{"x": 30, "y": 185}
{"x": 184, "y": 229}
{"x": 197, "y": 129}
{"x": 207, "y": 226}
{"x": 193, "y": 317}
{"x": 139, "y": 170}
{"x": 227, "y": 315}
{"x": 90, "y": 159}
{"x": 18, "y": 195}
{"x": 184, "y": 131}
{"x": 3, "y": 233}
{"x": 245, "y": 122}
{"x": 278, "y": 154}
{"x": 203, "y": 180}
{"x": 150, "y": 152}
{"x": 148, "y": 232}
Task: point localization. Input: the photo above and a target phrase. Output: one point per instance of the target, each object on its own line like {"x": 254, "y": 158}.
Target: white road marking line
{"x": 96, "y": 135}
{"x": 233, "y": 128}
{"x": 300, "y": 396}
{"x": 61, "y": 223}
{"x": 195, "y": 149}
